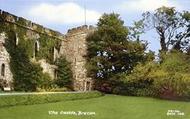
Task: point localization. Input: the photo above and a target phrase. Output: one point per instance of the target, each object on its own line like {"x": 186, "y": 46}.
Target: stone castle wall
{"x": 73, "y": 47}
{"x": 6, "y": 75}
{"x": 28, "y": 25}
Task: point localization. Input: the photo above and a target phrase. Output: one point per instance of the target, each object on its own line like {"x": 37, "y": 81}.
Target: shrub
{"x": 176, "y": 81}
{"x": 25, "y": 79}
{"x": 172, "y": 85}
{"x": 139, "y": 82}
{"x": 64, "y": 73}
{"x": 170, "y": 79}
{"x": 39, "y": 98}
{"x": 45, "y": 83}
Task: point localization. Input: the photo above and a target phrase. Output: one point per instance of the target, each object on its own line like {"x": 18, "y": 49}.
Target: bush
{"x": 64, "y": 73}
{"x": 139, "y": 82}
{"x": 174, "y": 86}
{"x": 175, "y": 83}
{"x": 146, "y": 92}
{"x": 40, "y": 98}
{"x": 46, "y": 83}
{"x": 169, "y": 79}
{"x": 25, "y": 79}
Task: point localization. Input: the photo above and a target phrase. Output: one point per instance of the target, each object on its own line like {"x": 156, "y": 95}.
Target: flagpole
{"x": 84, "y": 12}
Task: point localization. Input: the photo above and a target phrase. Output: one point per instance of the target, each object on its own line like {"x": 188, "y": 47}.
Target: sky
{"x": 61, "y": 15}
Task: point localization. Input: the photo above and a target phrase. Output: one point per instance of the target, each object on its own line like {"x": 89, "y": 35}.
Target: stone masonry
{"x": 73, "y": 47}
{"x": 6, "y": 76}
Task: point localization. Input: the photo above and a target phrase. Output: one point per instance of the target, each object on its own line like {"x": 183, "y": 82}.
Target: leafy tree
{"x": 173, "y": 27}
{"x": 64, "y": 73}
{"x": 110, "y": 51}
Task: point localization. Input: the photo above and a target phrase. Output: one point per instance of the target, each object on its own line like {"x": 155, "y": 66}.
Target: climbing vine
{"x": 46, "y": 49}
{"x": 27, "y": 74}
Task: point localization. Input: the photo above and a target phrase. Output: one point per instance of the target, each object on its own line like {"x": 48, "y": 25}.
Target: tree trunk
{"x": 163, "y": 43}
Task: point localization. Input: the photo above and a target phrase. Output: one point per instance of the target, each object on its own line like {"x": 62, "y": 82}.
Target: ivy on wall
{"x": 46, "y": 48}
{"x": 27, "y": 75}
{"x": 47, "y": 43}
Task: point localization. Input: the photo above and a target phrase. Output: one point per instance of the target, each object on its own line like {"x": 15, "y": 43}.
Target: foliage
{"x": 136, "y": 30}
{"x": 46, "y": 83}
{"x": 171, "y": 26}
{"x": 109, "y": 50}
{"x": 114, "y": 49}
{"x": 27, "y": 74}
{"x": 176, "y": 82}
{"x": 40, "y": 98}
{"x": 170, "y": 79}
{"x": 46, "y": 49}
{"x": 64, "y": 73}
{"x": 27, "y": 38}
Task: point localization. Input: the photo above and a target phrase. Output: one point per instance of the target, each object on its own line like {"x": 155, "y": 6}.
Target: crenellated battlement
{"x": 84, "y": 28}
{"x": 22, "y": 22}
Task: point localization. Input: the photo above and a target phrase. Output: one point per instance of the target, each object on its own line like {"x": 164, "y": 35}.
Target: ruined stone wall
{"x": 28, "y": 25}
{"x": 74, "y": 48}
{"x": 29, "y": 33}
{"x": 41, "y": 40}
{"x": 6, "y": 75}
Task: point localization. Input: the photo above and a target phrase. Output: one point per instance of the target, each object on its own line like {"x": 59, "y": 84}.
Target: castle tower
{"x": 74, "y": 48}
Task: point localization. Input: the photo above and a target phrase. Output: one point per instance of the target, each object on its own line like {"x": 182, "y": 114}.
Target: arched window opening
{"x": 55, "y": 54}
{"x": 88, "y": 86}
{"x": 55, "y": 73}
{"x": 36, "y": 48}
{"x": 51, "y": 52}
{"x": 16, "y": 39}
{"x": 3, "y": 70}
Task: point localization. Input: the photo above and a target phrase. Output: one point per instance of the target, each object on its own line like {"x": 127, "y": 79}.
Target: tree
{"x": 110, "y": 51}
{"x": 173, "y": 27}
{"x": 64, "y": 73}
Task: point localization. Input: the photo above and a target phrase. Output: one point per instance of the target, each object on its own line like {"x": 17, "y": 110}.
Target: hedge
{"x": 40, "y": 98}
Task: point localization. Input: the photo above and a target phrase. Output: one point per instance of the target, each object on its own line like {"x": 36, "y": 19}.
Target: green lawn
{"x": 105, "y": 107}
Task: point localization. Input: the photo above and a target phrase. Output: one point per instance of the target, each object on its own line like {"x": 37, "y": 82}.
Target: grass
{"x": 105, "y": 107}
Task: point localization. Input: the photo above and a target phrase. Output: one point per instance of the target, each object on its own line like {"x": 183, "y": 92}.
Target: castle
{"x": 72, "y": 45}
